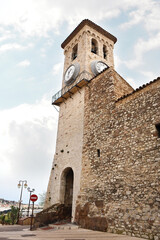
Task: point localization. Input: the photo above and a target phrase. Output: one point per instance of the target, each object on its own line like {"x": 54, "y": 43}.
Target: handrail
{"x": 65, "y": 89}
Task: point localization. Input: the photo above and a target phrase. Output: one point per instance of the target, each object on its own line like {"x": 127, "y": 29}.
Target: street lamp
{"x": 30, "y": 191}
{"x": 21, "y": 184}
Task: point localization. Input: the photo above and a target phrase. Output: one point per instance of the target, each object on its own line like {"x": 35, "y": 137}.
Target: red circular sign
{"x": 33, "y": 197}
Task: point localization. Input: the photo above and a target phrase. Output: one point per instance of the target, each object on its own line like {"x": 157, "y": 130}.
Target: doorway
{"x": 66, "y": 191}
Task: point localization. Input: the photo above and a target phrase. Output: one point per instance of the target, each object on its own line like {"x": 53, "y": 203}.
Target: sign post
{"x": 33, "y": 198}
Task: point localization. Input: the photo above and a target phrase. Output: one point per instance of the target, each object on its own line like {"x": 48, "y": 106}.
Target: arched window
{"x": 104, "y": 52}
{"x": 74, "y": 52}
{"x": 94, "y": 47}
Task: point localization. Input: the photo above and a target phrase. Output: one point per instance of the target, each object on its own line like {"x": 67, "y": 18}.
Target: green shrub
{"x": 7, "y": 221}
{"x": 2, "y": 219}
{"x": 13, "y": 214}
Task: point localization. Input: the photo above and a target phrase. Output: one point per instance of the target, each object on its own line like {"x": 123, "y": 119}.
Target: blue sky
{"x": 31, "y": 66}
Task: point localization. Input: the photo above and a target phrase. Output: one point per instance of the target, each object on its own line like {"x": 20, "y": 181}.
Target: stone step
{"x": 67, "y": 226}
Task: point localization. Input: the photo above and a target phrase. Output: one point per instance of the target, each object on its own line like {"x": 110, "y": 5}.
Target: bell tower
{"x": 88, "y": 51}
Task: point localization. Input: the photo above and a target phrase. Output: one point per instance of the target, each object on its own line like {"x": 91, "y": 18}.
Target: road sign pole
{"x": 33, "y": 198}
{"x": 32, "y": 216}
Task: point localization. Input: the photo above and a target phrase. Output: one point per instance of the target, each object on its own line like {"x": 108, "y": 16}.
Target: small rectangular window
{"x": 105, "y": 52}
{"x": 74, "y": 52}
{"x": 98, "y": 152}
{"x": 94, "y": 46}
{"x": 158, "y": 129}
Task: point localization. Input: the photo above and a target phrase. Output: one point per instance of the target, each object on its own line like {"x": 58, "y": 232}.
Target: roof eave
{"x": 91, "y": 24}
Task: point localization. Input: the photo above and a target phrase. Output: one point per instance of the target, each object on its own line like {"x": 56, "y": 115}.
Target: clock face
{"x": 100, "y": 66}
{"x": 69, "y": 73}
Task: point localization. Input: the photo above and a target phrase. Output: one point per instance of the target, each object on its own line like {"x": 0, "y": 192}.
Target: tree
{"x": 42, "y": 198}
{"x": 13, "y": 214}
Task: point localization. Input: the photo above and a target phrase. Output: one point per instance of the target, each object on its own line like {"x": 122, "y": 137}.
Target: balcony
{"x": 68, "y": 91}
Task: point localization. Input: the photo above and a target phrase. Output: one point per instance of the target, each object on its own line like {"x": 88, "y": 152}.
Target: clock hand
{"x": 70, "y": 72}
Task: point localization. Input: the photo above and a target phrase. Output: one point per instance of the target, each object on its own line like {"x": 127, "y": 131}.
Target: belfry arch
{"x": 66, "y": 187}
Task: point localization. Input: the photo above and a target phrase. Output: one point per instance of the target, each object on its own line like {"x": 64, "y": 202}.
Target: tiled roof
{"x": 91, "y": 24}
{"x": 138, "y": 89}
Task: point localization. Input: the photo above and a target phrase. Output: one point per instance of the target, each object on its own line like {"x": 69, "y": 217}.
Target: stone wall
{"x": 68, "y": 152}
{"x": 70, "y": 127}
{"x": 121, "y": 87}
{"x": 120, "y": 182}
{"x": 53, "y": 214}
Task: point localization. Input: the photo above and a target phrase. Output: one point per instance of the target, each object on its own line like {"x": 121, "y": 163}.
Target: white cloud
{"x": 13, "y": 46}
{"x": 5, "y": 37}
{"x": 117, "y": 62}
{"x": 39, "y": 17}
{"x": 57, "y": 68}
{"x": 146, "y": 13}
{"x": 150, "y": 44}
{"x": 30, "y": 17}
{"x": 142, "y": 47}
{"x": 27, "y": 136}
{"x": 149, "y": 75}
{"x": 152, "y": 20}
{"x": 136, "y": 17}
{"x": 6, "y": 34}
{"x": 24, "y": 63}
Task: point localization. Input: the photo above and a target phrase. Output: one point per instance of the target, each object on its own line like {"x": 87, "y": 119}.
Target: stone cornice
{"x": 91, "y": 24}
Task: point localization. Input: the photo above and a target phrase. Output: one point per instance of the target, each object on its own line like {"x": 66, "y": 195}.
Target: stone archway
{"x": 66, "y": 188}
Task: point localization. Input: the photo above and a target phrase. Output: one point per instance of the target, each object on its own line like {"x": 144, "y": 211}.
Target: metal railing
{"x": 84, "y": 75}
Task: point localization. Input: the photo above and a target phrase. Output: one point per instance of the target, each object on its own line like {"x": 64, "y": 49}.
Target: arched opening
{"x": 94, "y": 46}
{"x": 66, "y": 191}
{"x": 105, "y": 52}
{"x": 74, "y": 52}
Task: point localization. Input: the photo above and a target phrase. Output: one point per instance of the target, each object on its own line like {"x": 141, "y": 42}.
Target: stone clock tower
{"x": 106, "y": 164}
{"x": 88, "y": 51}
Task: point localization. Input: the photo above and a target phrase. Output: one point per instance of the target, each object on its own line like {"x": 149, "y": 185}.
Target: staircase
{"x": 55, "y": 213}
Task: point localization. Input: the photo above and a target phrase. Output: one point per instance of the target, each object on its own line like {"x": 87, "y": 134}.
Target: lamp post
{"x": 21, "y": 184}
{"x": 30, "y": 191}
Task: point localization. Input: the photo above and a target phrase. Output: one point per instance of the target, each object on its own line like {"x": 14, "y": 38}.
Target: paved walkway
{"x": 10, "y": 232}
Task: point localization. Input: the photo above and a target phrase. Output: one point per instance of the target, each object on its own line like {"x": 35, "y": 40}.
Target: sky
{"x": 31, "y": 66}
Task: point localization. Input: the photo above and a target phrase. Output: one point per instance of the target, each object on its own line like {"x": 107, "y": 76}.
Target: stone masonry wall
{"x": 68, "y": 152}
{"x": 121, "y": 87}
{"x": 120, "y": 182}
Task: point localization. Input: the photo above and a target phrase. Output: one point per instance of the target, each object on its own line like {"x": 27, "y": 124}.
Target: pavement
{"x": 63, "y": 232}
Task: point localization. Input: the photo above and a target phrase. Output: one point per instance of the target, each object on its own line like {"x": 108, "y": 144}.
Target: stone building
{"x": 107, "y": 161}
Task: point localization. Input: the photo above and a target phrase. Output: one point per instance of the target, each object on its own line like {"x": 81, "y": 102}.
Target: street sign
{"x": 33, "y": 197}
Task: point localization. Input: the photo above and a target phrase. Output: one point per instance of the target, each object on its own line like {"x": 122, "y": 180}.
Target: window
{"x": 74, "y": 52}
{"x": 98, "y": 152}
{"x": 158, "y": 129}
{"x": 94, "y": 47}
{"x": 104, "y": 52}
